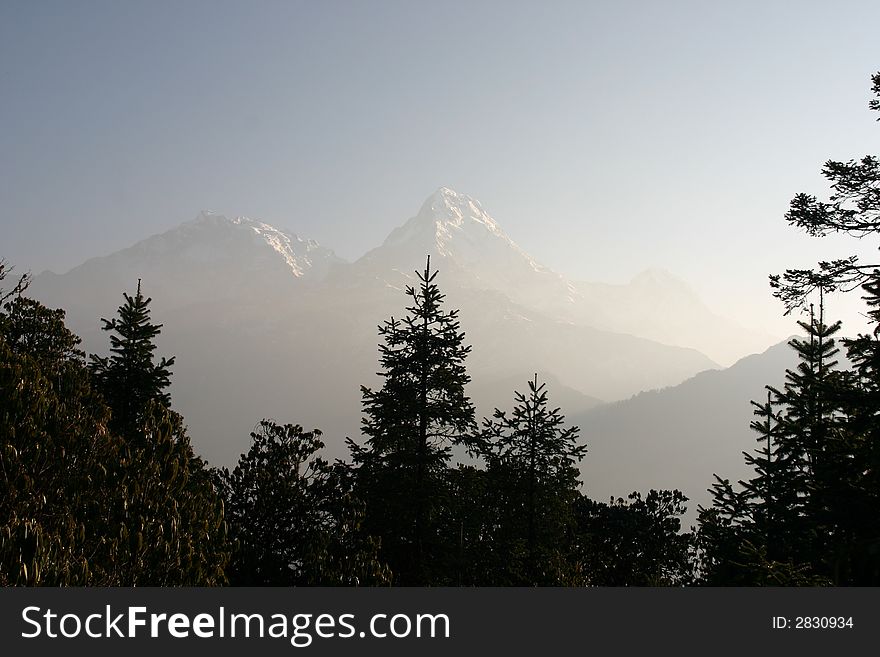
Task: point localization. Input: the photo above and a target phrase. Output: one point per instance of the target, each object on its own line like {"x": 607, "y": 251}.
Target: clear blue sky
{"x": 605, "y": 137}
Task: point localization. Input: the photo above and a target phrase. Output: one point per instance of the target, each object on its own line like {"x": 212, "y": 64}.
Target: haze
{"x": 607, "y": 137}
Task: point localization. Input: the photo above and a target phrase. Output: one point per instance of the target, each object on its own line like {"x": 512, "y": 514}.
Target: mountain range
{"x": 680, "y": 436}
{"x": 265, "y": 323}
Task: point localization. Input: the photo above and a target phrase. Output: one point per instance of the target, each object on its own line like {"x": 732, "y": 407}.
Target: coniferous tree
{"x": 752, "y": 534}
{"x": 807, "y": 435}
{"x": 852, "y": 458}
{"x": 772, "y": 495}
{"x": 532, "y": 466}
{"x": 129, "y": 378}
{"x": 411, "y": 423}
{"x": 723, "y": 529}
{"x": 468, "y": 523}
{"x": 780, "y": 526}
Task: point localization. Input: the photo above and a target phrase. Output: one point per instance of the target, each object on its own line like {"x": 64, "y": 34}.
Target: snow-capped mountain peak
{"x": 294, "y": 250}
{"x": 299, "y": 255}
{"x": 449, "y": 207}
{"x": 456, "y": 227}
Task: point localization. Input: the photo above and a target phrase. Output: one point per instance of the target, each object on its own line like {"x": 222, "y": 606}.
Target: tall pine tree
{"x": 858, "y": 450}
{"x": 411, "y": 423}
{"x": 779, "y": 527}
{"x": 773, "y": 495}
{"x": 173, "y": 514}
{"x": 129, "y": 378}
{"x": 532, "y": 464}
{"x": 808, "y": 435}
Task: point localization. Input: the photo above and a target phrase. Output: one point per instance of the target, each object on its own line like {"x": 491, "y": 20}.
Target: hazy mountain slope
{"x": 511, "y": 340}
{"x": 679, "y": 436}
{"x": 499, "y": 393}
{"x": 658, "y": 306}
{"x": 309, "y": 365}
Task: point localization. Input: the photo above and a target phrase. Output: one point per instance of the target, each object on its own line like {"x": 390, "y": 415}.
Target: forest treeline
{"x": 100, "y": 486}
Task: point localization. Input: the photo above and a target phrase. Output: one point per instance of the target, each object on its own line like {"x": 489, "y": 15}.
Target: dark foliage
{"x": 853, "y": 209}
{"x": 531, "y": 470}
{"x": 293, "y": 516}
{"x": 79, "y": 505}
{"x": 635, "y": 542}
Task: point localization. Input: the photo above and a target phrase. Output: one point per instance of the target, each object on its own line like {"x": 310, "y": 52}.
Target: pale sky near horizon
{"x": 605, "y": 137}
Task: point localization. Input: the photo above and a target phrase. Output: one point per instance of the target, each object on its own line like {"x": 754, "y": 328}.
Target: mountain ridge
{"x": 680, "y": 435}
{"x": 254, "y": 339}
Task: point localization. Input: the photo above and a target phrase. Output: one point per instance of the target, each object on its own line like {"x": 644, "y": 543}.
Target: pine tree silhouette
{"x": 129, "y": 378}
{"x": 411, "y": 423}
{"x": 778, "y": 527}
{"x": 533, "y": 460}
